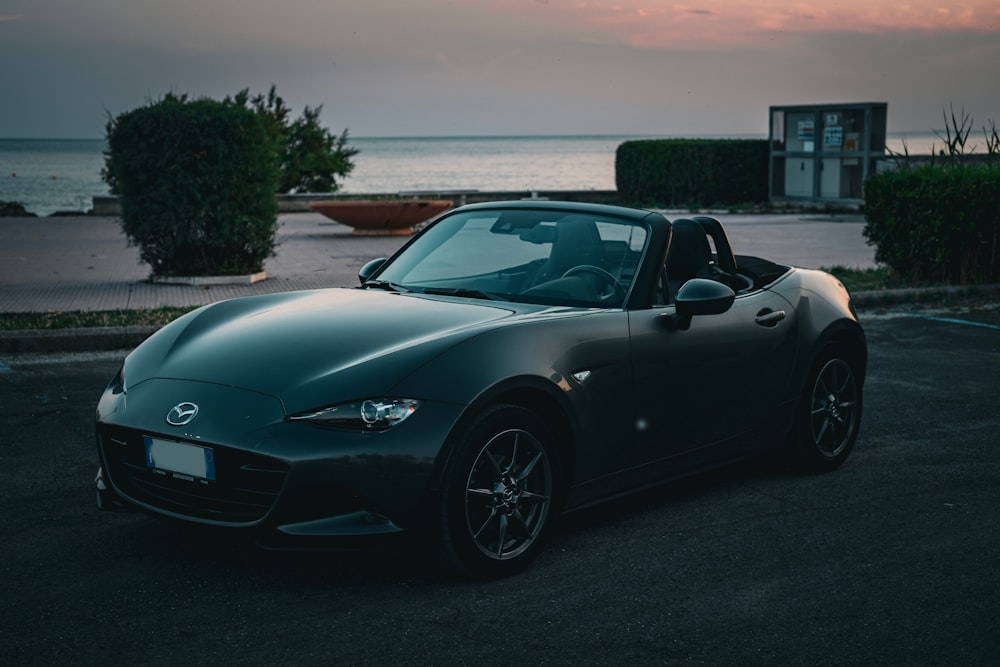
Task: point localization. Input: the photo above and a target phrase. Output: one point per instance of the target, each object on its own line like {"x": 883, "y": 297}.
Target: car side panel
{"x": 714, "y": 382}
{"x": 581, "y": 359}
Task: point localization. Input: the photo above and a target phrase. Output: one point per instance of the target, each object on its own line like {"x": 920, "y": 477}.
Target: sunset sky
{"x": 501, "y": 67}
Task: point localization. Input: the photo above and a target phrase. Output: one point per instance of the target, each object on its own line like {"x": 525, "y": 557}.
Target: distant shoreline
{"x": 57, "y": 175}
{"x": 435, "y": 137}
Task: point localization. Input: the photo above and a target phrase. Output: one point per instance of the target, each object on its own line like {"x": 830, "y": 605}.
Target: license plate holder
{"x": 180, "y": 459}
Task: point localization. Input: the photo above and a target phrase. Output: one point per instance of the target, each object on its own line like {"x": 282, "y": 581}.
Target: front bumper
{"x": 108, "y": 500}
{"x": 288, "y": 482}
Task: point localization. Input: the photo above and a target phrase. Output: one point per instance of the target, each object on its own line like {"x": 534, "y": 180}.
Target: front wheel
{"x": 498, "y": 498}
{"x": 830, "y": 413}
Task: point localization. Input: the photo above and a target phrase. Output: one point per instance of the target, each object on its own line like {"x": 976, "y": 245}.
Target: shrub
{"x": 939, "y": 221}
{"x": 936, "y": 223}
{"x": 311, "y": 158}
{"x": 683, "y": 172}
{"x": 197, "y": 181}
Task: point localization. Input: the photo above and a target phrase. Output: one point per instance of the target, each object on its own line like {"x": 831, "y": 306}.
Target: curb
{"x": 911, "y": 295}
{"x": 121, "y": 338}
{"x": 73, "y": 340}
{"x": 209, "y": 281}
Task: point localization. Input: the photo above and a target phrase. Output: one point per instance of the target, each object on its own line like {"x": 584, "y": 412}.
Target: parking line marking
{"x": 952, "y": 320}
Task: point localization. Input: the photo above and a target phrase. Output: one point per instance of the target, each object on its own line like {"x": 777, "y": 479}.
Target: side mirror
{"x": 700, "y": 296}
{"x": 369, "y": 269}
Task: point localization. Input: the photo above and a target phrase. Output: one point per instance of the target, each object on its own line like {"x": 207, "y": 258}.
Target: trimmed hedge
{"x": 197, "y": 182}
{"x": 692, "y": 172}
{"x": 936, "y": 224}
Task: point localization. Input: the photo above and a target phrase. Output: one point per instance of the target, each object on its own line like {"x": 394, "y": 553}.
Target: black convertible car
{"x": 511, "y": 362}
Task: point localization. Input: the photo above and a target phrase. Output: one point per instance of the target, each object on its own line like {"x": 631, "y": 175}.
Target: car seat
{"x": 689, "y": 255}
{"x": 577, "y": 242}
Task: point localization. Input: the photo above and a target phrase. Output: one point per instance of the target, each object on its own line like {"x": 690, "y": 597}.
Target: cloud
{"x": 655, "y": 24}
{"x": 384, "y": 67}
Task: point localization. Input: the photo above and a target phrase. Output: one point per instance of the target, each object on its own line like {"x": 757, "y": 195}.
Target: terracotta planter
{"x": 375, "y": 218}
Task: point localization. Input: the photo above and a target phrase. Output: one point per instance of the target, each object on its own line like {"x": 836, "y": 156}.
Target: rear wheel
{"x": 830, "y": 412}
{"x": 498, "y": 499}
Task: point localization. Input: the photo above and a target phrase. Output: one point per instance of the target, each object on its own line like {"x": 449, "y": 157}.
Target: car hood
{"x": 311, "y": 347}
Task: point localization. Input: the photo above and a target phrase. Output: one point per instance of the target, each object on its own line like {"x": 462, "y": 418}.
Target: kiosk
{"x": 824, "y": 153}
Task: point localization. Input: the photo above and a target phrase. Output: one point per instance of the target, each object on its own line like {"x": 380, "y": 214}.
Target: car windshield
{"x": 533, "y": 256}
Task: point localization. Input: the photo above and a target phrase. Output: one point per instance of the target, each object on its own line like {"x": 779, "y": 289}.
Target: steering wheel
{"x": 617, "y": 291}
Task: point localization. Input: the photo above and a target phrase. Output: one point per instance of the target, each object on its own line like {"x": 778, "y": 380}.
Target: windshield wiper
{"x": 465, "y": 292}
{"x": 384, "y": 285}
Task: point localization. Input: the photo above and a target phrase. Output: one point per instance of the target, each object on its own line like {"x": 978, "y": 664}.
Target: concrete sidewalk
{"x": 85, "y": 263}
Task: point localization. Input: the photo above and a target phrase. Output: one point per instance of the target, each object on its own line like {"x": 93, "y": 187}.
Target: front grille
{"x": 245, "y": 487}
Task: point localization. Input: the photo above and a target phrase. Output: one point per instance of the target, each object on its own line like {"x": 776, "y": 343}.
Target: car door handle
{"x": 769, "y": 318}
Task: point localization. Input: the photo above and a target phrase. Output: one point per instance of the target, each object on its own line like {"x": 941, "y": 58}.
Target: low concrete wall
{"x": 110, "y": 206}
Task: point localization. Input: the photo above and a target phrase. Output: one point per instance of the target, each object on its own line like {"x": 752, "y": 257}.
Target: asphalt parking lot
{"x": 892, "y": 560}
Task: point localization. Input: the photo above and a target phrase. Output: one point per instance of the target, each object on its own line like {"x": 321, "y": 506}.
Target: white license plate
{"x": 182, "y": 459}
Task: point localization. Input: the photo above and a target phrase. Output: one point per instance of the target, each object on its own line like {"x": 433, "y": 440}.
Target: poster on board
{"x": 833, "y": 137}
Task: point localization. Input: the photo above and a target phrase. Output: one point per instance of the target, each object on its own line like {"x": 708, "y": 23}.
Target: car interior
{"x": 584, "y": 261}
{"x": 699, "y": 248}
{"x": 582, "y": 268}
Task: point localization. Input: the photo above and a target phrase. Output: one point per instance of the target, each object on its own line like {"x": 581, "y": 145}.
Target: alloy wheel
{"x": 508, "y": 494}
{"x": 834, "y": 410}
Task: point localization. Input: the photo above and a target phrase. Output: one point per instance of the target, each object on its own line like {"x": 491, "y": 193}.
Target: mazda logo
{"x": 182, "y": 414}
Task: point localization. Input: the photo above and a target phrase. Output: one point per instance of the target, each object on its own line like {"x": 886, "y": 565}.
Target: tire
{"x": 499, "y": 494}
{"x": 829, "y": 414}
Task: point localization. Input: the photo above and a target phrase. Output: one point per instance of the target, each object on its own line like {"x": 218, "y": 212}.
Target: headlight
{"x": 117, "y": 385}
{"x": 113, "y": 398}
{"x": 376, "y": 414}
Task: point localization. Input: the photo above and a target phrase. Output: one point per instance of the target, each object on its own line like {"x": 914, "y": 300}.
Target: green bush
{"x": 311, "y": 158}
{"x": 686, "y": 172}
{"x": 197, "y": 181}
{"x": 936, "y": 223}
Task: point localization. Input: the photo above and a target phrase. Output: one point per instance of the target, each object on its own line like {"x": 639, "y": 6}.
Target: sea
{"x": 49, "y": 176}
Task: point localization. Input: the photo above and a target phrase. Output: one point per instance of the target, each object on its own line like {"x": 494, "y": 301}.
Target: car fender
{"x": 571, "y": 361}
{"x": 826, "y": 314}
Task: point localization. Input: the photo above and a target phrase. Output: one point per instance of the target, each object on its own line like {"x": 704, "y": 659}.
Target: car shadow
{"x": 230, "y": 555}
{"x": 717, "y": 482}
{"x": 181, "y": 545}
